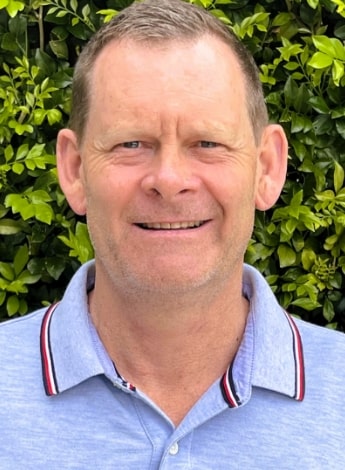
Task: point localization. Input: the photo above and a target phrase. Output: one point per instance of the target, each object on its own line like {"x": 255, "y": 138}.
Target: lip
{"x": 176, "y": 228}
{"x": 172, "y": 225}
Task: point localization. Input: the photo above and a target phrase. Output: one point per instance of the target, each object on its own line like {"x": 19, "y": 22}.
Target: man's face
{"x": 168, "y": 165}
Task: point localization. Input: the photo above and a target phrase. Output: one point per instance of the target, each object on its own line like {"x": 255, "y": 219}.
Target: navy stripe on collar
{"x": 48, "y": 370}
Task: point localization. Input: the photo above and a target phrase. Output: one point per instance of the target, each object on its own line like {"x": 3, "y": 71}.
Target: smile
{"x": 171, "y": 225}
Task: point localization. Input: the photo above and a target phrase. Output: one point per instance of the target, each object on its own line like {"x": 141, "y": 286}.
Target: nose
{"x": 170, "y": 175}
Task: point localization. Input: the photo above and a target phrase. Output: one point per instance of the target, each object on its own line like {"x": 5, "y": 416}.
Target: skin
{"x": 168, "y": 141}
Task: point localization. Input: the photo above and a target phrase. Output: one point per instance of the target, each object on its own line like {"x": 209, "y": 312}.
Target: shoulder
{"x": 20, "y": 336}
{"x": 324, "y": 352}
{"x": 315, "y": 337}
{"x": 21, "y": 323}
{"x": 322, "y": 345}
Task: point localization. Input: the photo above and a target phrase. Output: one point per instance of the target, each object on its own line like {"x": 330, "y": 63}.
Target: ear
{"x": 272, "y": 166}
{"x": 69, "y": 166}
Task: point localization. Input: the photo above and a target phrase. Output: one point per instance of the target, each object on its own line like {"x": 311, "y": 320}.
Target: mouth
{"x": 172, "y": 225}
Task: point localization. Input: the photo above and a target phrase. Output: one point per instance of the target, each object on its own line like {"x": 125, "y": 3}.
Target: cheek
{"x": 236, "y": 198}
{"x": 111, "y": 196}
{"x": 233, "y": 189}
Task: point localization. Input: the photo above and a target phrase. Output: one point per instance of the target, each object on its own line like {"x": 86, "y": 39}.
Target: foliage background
{"x": 299, "y": 245}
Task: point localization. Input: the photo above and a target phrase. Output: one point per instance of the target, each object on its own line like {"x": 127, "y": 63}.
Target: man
{"x": 166, "y": 351}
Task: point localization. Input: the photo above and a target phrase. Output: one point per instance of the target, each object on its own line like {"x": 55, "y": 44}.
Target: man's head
{"x": 153, "y": 23}
{"x": 169, "y": 169}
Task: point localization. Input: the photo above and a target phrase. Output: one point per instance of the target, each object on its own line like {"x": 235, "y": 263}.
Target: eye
{"x": 208, "y": 144}
{"x": 133, "y": 144}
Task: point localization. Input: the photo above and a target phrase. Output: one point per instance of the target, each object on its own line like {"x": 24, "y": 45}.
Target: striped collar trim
{"x": 232, "y": 396}
{"x": 299, "y": 360}
{"x": 228, "y": 389}
{"x": 48, "y": 369}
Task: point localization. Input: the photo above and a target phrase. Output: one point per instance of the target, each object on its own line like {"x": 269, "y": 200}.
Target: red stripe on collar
{"x": 228, "y": 389}
{"x": 299, "y": 360}
{"x": 48, "y": 372}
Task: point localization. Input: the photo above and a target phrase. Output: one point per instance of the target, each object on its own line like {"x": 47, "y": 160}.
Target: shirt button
{"x": 173, "y": 449}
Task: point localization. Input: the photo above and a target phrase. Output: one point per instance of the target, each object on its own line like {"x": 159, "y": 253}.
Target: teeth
{"x": 173, "y": 225}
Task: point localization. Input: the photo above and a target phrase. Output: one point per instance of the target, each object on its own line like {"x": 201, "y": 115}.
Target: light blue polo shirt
{"x": 280, "y": 404}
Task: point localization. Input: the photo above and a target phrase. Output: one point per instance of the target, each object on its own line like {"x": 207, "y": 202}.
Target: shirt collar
{"x": 68, "y": 351}
{"x": 270, "y": 355}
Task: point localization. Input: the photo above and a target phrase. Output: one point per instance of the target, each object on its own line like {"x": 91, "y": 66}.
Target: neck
{"x": 158, "y": 343}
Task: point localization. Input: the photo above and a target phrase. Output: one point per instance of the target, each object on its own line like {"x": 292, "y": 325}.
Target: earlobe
{"x": 272, "y": 166}
{"x": 69, "y": 166}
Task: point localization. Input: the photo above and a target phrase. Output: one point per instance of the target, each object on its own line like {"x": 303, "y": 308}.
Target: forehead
{"x": 193, "y": 78}
{"x": 204, "y": 59}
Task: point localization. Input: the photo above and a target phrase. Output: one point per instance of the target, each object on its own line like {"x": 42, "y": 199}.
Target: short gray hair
{"x": 151, "y": 22}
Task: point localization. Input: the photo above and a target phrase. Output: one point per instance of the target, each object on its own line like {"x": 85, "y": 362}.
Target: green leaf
{"x": 287, "y": 256}
{"x": 39, "y": 196}
{"x": 319, "y": 104}
{"x": 339, "y": 49}
{"x": 8, "y": 42}
{"x": 6, "y": 271}
{"x": 60, "y": 49}
{"x": 22, "y": 151}
{"x": 12, "y": 305}
{"x": 322, "y": 125}
{"x": 86, "y": 11}
{"x": 10, "y": 226}
{"x": 319, "y": 60}
{"x": 108, "y": 14}
{"x": 27, "y": 278}
{"x": 38, "y": 116}
{"x": 17, "y": 287}
{"x": 36, "y": 151}
{"x": 328, "y": 310}
{"x": 283, "y": 18}
{"x": 299, "y": 123}
{"x": 13, "y": 7}
{"x": 45, "y": 62}
{"x": 55, "y": 267}
{"x": 337, "y": 71}
{"x": 338, "y": 176}
{"x": 61, "y": 13}
{"x": 74, "y": 5}
{"x": 75, "y": 21}
{"x": 9, "y": 153}
{"x": 21, "y": 129}
{"x": 324, "y": 44}
{"x": 291, "y": 66}
{"x": 20, "y": 260}
{"x": 306, "y": 304}
{"x": 27, "y": 211}
{"x": 44, "y": 212}
{"x": 18, "y": 168}
{"x": 313, "y": 3}
{"x": 79, "y": 243}
{"x": 308, "y": 259}
{"x": 30, "y": 99}
{"x": 54, "y": 116}
{"x": 297, "y": 199}
{"x": 340, "y": 126}
{"x": 23, "y": 307}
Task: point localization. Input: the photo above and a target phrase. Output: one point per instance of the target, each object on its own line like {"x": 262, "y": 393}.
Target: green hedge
{"x": 299, "y": 245}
